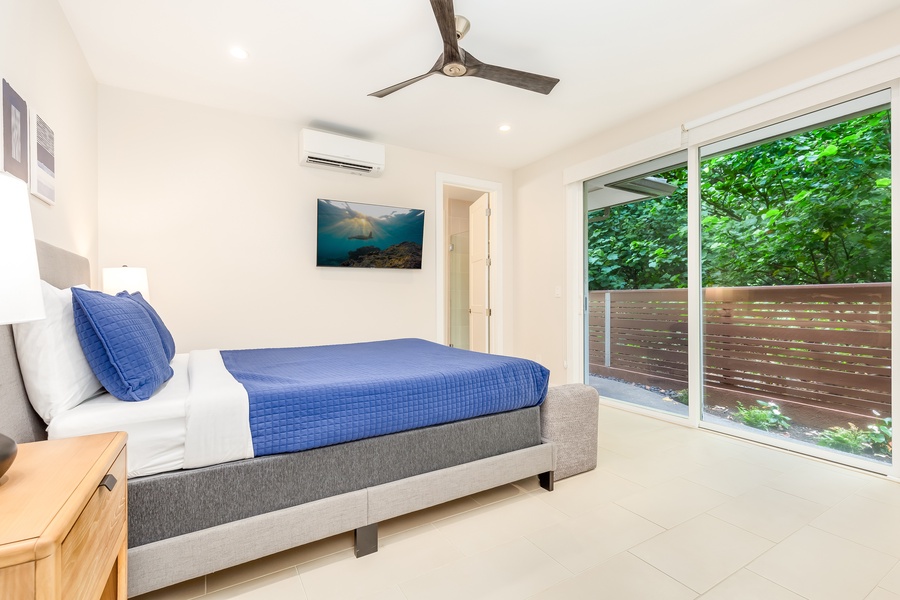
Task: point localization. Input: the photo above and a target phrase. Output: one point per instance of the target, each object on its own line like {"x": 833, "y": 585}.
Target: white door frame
{"x": 495, "y": 189}
{"x": 480, "y": 274}
{"x": 576, "y": 274}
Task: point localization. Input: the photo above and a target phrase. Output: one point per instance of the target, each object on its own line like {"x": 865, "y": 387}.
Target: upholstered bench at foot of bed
{"x": 569, "y": 420}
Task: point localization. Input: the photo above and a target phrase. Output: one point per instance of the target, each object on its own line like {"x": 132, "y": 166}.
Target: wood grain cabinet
{"x": 63, "y": 516}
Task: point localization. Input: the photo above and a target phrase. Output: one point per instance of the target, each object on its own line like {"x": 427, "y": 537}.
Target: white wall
{"x": 42, "y": 61}
{"x": 540, "y": 224}
{"x": 216, "y": 205}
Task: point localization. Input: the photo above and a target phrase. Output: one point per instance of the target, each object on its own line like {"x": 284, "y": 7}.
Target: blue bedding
{"x": 302, "y": 398}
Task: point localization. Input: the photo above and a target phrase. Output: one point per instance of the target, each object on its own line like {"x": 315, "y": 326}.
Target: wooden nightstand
{"x": 62, "y": 532}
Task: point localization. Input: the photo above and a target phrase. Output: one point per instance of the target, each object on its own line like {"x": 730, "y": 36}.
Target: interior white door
{"x": 479, "y": 275}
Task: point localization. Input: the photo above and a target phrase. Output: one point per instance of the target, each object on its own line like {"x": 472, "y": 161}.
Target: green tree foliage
{"x": 810, "y": 208}
{"x": 642, "y": 245}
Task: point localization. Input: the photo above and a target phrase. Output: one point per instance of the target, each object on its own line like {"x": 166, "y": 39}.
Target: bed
{"x": 189, "y": 522}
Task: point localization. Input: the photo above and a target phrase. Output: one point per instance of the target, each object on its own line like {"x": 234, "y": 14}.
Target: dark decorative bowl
{"x": 8, "y": 451}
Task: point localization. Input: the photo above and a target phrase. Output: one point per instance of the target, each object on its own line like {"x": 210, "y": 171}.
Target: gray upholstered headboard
{"x": 18, "y": 420}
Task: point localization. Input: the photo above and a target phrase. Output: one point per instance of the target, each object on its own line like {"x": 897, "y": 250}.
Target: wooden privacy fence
{"x": 822, "y": 346}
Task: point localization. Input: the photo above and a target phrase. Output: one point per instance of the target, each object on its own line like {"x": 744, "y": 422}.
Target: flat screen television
{"x": 370, "y": 236}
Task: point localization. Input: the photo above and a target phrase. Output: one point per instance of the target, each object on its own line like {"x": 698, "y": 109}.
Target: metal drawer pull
{"x": 109, "y": 482}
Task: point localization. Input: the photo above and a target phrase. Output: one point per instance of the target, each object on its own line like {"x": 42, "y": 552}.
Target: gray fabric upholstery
{"x": 18, "y": 421}
{"x": 400, "y": 497}
{"x": 62, "y": 269}
{"x": 173, "y": 504}
{"x": 569, "y": 419}
{"x": 170, "y": 561}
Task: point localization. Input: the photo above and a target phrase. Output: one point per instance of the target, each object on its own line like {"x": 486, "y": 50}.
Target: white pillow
{"x": 56, "y": 373}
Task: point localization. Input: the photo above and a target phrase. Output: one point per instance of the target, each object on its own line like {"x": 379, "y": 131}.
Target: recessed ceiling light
{"x": 239, "y": 53}
{"x": 505, "y": 128}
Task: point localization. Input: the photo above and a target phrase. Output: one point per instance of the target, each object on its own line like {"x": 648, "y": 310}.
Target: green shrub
{"x": 765, "y": 416}
{"x": 680, "y": 396}
{"x": 881, "y": 436}
{"x": 850, "y": 439}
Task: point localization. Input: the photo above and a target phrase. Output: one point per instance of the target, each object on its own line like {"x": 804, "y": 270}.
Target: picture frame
{"x": 353, "y": 234}
{"x": 43, "y": 160}
{"x": 15, "y": 133}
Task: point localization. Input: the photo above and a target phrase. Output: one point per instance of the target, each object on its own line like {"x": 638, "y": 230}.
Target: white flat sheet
{"x": 218, "y": 413}
{"x": 197, "y": 418}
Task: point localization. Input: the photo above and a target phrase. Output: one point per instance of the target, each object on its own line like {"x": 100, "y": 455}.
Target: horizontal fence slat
{"x": 858, "y": 292}
{"x": 846, "y": 351}
{"x": 795, "y": 323}
{"x": 648, "y": 325}
{"x": 861, "y": 405}
{"x": 793, "y": 376}
{"x": 847, "y": 304}
{"x": 659, "y": 352}
{"x": 850, "y": 312}
{"x": 856, "y": 338}
{"x": 669, "y": 366}
{"x": 672, "y": 295}
{"x": 804, "y": 357}
{"x": 638, "y": 377}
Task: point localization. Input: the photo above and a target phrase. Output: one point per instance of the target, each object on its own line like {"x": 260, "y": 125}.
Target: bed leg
{"x": 365, "y": 540}
{"x": 546, "y": 480}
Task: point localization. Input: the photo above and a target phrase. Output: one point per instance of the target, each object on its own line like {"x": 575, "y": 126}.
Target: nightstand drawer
{"x": 90, "y": 549}
{"x": 17, "y": 581}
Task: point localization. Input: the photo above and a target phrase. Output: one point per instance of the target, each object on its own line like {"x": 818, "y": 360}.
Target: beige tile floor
{"x": 670, "y": 513}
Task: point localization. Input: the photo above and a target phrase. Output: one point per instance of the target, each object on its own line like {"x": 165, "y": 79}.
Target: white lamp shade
{"x": 126, "y": 279}
{"x": 20, "y": 283}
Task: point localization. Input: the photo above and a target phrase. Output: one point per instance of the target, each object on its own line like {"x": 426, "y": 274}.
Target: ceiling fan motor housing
{"x": 462, "y": 26}
{"x": 454, "y": 70}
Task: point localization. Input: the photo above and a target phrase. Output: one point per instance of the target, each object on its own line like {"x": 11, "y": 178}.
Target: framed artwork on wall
{"x": 43, "y": 160}
{"x": 351, "y": 234}
{"x": 15, "y": 133}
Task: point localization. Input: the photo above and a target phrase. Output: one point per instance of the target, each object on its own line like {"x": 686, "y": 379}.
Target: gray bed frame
{"x": 354, "y": 486}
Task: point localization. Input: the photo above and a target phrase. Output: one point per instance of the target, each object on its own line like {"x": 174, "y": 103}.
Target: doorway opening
{"x": 466, "y": 257}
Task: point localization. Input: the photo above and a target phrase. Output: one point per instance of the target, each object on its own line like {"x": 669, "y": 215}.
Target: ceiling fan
{"x": 456, "y": 62}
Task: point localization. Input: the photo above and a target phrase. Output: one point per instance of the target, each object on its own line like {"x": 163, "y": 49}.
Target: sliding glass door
{"x": 637, "y": 277}
{"x": 796, "y": 246}
{"x": 788, "y": 307}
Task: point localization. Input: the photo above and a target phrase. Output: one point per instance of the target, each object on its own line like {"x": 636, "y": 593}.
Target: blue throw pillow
{"x": 164, "y": 334}
{"x": 121, "y": 344}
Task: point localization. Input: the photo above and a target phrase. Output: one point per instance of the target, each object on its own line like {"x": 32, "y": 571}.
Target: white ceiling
{"x": 315, "y": 62}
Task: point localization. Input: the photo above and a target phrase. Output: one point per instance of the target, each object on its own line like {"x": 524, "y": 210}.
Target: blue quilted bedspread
{"x": 303, "y": 398}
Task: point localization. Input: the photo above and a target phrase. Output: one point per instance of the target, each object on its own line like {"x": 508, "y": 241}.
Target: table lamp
{"x": 127, "y": 279}
{"x": 20, "y": 286}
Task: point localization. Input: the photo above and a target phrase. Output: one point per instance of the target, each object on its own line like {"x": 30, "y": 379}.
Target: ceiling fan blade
{"x": 520, "y": 79}
{"x": 446, "y": 21}
{"x": 390, "y": 90}
{"x": 400, "y": 86}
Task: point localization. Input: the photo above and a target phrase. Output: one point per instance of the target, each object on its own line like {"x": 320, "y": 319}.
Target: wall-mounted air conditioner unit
{"x": 340, "y": 153}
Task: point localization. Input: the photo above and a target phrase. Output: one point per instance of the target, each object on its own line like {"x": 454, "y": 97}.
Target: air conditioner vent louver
{"x": 318, "y": 160}
{"x": 339, "y": 153}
